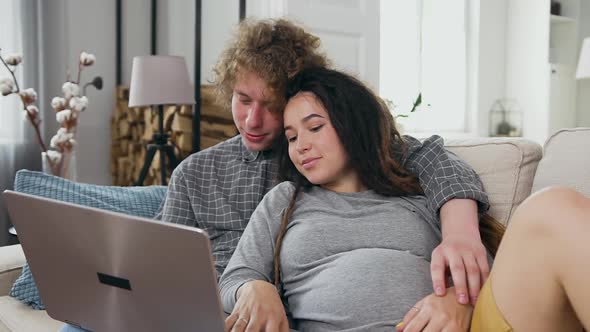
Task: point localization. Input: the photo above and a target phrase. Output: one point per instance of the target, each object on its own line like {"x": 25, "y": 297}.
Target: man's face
{"x": 258, "y": 123}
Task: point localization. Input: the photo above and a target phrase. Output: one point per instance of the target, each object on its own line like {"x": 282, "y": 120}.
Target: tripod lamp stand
{"x": 157, "y": 81}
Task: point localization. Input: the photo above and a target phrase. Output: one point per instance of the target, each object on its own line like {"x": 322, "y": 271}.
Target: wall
{"x": 583, "y": 93}
{"x": 492, "y": 51}
{"x": 70, "y": 26}
{"x": 176, "y": 31}
{"x": 499, "y": 77}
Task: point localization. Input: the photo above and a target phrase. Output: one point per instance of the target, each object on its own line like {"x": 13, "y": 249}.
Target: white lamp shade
{"x": 583, "y": 70}
{"x": 160, "y": 80}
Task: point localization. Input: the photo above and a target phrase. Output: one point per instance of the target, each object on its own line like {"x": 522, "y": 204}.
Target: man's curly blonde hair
{"x": 274, "y": 49}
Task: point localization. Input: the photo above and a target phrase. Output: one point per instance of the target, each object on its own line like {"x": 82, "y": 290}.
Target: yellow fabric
{"x": 486, "y": 315}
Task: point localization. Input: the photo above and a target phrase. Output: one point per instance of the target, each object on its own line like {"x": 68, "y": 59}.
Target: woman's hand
{"x": 258, "y": 308}
{"x": 437, "y": 313}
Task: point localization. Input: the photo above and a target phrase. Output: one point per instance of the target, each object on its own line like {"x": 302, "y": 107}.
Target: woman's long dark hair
{"x": 366, "y": 130}
{"x": 369, "y": 136}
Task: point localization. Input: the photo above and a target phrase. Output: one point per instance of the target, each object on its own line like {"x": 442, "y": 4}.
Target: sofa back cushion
{"x": 566, "y": 161}
{"x": 506, "y": 167}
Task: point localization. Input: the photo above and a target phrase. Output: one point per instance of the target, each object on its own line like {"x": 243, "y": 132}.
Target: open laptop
{"x": 107, "y": 271}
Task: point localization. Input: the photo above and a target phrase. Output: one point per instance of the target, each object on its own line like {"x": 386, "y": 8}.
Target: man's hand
{"x": 467, "y": 262}
{"x": 437, "y": 313}
{"x": 258, "y": 308}
{"x": 461, "y": 250}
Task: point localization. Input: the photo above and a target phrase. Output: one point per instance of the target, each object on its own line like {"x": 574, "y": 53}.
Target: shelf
{"x": 562, "y": 19}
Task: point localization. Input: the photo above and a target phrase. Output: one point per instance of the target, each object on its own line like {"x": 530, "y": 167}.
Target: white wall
{"x": 71, "y": 26}
{"x": 218, "y": 24}
{"x": 583, "y": 93}
{"x": 499, "y": 77}
{"x": 527, "y": 78}
{"x": 135, "y": 34}
{"x": 492, "y": 53}
{"x": 175, "y": 32}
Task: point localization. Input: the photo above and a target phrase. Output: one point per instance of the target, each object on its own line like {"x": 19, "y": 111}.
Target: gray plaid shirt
{"x": 217, "y": 189}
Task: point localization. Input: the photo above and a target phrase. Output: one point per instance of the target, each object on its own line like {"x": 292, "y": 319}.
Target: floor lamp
{"x": 159, "y": 80}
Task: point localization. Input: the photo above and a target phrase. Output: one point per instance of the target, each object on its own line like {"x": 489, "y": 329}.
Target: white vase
{"x": 65, "y": 168}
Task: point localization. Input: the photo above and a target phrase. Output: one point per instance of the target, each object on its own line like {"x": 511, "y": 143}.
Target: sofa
{"x": 510, "y": 169}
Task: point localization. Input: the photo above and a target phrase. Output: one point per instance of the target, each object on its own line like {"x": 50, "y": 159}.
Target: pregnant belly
{"x": 360, "y": 289}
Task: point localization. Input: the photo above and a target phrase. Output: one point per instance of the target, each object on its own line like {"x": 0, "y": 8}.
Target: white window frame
{"x": 10, "y": 106}
{"x": 470, "y": 114}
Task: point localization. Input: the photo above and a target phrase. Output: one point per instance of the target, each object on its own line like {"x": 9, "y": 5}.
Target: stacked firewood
{"x": 217, "y": 124}
{"x": 132, "y": 130}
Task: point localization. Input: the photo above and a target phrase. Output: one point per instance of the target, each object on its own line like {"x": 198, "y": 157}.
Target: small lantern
{"x": 505, "y": 118}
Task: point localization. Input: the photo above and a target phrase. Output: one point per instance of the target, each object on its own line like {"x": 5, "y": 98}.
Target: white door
{"x": 348, "y": 29}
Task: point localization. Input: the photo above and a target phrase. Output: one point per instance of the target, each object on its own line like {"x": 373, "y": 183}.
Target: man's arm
{"x": 177, "y": 207}
{"x": 443, "y": 176}
{"x": 454, "y": 192}
{"x": 461, "y": 250}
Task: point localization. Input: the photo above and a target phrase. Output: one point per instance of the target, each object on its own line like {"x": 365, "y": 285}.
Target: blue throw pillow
{"x": 137, "y": 201}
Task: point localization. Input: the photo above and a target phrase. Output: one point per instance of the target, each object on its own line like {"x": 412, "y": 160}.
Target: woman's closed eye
{"x": 316, "y": 128}
{"x": 313, "y": 129}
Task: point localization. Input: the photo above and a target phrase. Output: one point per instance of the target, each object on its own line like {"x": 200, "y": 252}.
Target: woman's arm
{"x": 246, "y": 285}
{"x": 437, "y": 313}
{"x": 252, "y": 259}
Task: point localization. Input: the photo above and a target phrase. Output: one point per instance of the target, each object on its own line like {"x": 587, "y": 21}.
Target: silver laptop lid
{"x": 107, "y": 271}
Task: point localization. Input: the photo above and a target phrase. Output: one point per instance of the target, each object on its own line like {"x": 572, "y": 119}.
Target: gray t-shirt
{"x": 350, "y": 261}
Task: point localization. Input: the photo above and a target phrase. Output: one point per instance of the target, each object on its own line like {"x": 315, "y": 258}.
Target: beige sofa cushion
{"x": 505, "y": 166}
{"x": 566, "y": 161}
{"x": 12, "y": 260}
{"x": 18, "y": 317}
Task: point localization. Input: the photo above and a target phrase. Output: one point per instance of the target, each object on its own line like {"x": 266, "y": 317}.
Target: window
{"x": 10, "y": 42}
{"x": 424, "y": 49}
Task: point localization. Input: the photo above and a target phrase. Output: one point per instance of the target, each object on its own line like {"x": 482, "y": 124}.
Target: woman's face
{"x": 314, "y": 146}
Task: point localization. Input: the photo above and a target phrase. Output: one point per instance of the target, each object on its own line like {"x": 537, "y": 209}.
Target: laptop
{"x": 107, "y": 271}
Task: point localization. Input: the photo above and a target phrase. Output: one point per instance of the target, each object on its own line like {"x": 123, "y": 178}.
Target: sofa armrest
{"x": 12, "y": 259}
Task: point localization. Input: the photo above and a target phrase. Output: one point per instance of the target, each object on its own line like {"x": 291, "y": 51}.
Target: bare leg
{"x": 540, "y": 275}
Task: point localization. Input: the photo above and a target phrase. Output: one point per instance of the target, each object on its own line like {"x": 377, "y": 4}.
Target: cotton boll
{"x": 54, "y": 141}
{"x": 54, "y": 156}
{"x": 58, "y": 103}
{"x": 5, "y": 89}
{"x": 84, "y": 101}
{"x": 29, "y": 96}
{"x": 62, "y": 136}
{"x": 6, "y": 86}
{"x": 33, "y": 110}
{"x": 79, "y": 103}
{"x": 62, "y": 131}
{"x": 63, "y": 116}
{"x": 70, "y": 90}
{"x": 13, "y": 59}
{"x": 32, "y": 114}
{"x": 87, "y": 59}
